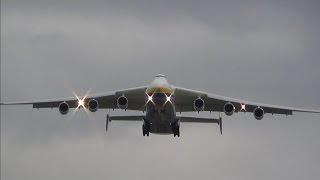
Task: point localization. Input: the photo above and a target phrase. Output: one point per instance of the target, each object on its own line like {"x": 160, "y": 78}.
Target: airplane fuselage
{"x": 160, "y": 106}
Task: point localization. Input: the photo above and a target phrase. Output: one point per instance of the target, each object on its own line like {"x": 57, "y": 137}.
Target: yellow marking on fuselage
{"x": 159, "y": 90}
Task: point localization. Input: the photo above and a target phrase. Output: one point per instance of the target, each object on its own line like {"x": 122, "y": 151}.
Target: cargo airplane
{"x": 161, "y": 101}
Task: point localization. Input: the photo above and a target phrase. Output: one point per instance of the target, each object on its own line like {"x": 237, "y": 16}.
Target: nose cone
{"x": 160, "y": 81}
{"x": 160, "y": 84}
{"x": 159, "y": 90}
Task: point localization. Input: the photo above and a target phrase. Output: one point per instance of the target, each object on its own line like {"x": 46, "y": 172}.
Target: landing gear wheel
{"x": 175, "y": 129}
{"x": 146, "y": 128}
{"x": 177, "y": 132}
{"x": 145, "y": 131}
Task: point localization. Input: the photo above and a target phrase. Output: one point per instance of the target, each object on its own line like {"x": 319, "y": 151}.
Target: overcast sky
{"x": 263, "y": 51}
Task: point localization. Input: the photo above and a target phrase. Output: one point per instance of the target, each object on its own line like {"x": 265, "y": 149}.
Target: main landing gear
{"x": 107, "y": 122}
{"x": 176, "y": 128}
{"x": 220, "y": 123}
{"x": 146, "y": 128}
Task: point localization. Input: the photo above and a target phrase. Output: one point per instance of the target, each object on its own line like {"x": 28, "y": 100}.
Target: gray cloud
{"x": 261, "y": 51}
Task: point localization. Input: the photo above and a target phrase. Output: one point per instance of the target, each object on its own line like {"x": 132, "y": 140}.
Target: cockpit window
{"x": 160, "y": 75}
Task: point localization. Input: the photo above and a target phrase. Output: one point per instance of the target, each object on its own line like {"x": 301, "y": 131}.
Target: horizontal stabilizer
{"x": 126, "y": 118}
{"x": 197, "y": 119}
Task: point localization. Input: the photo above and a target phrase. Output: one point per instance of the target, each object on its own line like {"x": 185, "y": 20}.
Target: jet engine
{"x": 198, "y": 104}
{"x": 93, "y": 105}
{"x": 228, "y": 109}
{"x": 258, "y": 113}
{"x": 122, "y": 102}
{"x": 63, "y": 108}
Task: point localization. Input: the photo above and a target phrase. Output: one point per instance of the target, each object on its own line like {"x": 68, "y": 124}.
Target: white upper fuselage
{"x": 159, "y": 84}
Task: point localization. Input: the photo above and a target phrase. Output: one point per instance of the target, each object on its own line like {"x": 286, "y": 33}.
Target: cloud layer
{"x": 265, "y": 51}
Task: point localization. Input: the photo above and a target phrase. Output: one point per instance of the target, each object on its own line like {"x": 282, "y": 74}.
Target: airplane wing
{"x": 185, "y": 102}
{"x": 135, "y": 96}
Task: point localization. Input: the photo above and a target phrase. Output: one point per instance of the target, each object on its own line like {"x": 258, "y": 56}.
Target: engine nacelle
{"x": 198, "y": 104}
{"x": 93, "y": 105}
{"x": 122, "y": 102}
{"x": 64, "y": 108}
{"x": 258, "y": 113}
{"x": 229, "y": 109}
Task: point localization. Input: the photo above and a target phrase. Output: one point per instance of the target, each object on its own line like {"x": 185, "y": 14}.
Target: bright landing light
{"x": 81, "y": 102}
{"x": 169, "y": 99}
{"x": 243, "y": 107}
{"x": 150, "y": 99}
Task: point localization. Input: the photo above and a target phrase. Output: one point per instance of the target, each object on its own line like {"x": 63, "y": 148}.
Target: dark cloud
{"x": 265, "y": 51}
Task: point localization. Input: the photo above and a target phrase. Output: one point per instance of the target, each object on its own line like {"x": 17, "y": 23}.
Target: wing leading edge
{"x": 135, "y": 96}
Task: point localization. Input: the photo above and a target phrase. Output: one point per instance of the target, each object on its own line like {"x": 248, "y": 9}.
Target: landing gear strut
{"x": 145, "y": 128}
{"x": 176, "y": 128}
{"x": 107, "y": 122}
{"x": 220, "y": 123}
